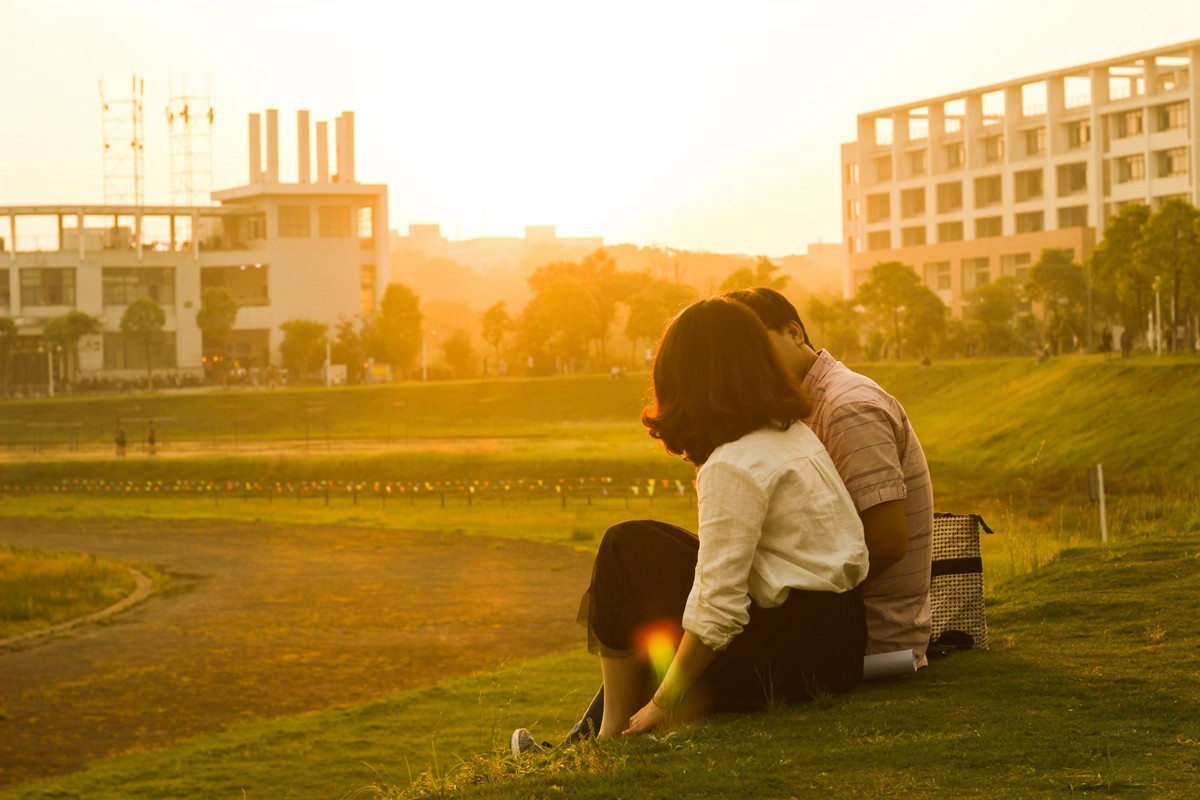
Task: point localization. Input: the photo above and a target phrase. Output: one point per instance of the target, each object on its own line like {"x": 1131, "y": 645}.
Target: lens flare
{"x": 657, "y": 641}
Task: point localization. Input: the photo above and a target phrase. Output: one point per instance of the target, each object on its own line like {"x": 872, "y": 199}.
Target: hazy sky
{"x": 702, "y": 124}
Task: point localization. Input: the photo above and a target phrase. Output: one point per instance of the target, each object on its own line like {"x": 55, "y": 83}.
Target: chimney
{"x": 345, "y": 147}
{"x": 272, "y": 145}
{"x": 322, "y": 152}
{"x": 255, "y": 148}
{"x": 305, "y": 161}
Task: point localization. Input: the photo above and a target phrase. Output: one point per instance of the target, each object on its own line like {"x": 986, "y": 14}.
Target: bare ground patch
{"x": 267, "y": 621}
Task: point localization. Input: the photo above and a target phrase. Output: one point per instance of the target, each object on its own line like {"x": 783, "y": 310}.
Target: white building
{"x": 972, "y": 186}
{"x": 314, "y": 249}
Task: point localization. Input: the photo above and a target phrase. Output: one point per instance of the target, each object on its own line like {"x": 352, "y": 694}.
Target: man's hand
{"x": 650, "y": 716}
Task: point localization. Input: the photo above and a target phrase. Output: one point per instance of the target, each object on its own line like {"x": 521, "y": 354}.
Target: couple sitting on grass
{"x": 813, "y": 546}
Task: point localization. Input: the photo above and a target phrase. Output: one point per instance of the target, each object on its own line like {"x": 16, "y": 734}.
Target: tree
{"x": 763, "y": 274}
{"x": 1061, "y": 285}
{"x": 1121, "y": 284}
{"x": 8, "y": 338}
{"x": 303, "y": 347}
{"x": 66, "y": 331}
{"x": 215, "y": 319}
{"x": 651, "y": 303}
{"x": 573, "y": 307}
{"x": 894, "y": 291}
{"x": 143, "y": 322}
{"x": 496, "y": 323}
{"x": 459, "y": 354}
{"x": 834, "y": 324}
{"x": 348, "y": 349}
{"x": 395, "y": 334}
{"x": 1170, "y": 250}
{"x": 990, "y": 310}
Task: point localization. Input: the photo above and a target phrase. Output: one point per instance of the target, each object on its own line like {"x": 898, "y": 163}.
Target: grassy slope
{"x": 997, "y": 428}
{"x": 40, "y": 588}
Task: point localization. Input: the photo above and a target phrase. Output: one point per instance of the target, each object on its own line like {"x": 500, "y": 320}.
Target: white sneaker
{"x": 522, "y": 742}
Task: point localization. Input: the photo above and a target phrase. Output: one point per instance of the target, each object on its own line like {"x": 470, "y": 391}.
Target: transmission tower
{"x": 190, "y": 118}
{"x": 124, "y": 146}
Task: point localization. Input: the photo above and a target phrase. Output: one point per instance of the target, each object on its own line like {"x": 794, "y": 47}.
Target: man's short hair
{"x": 775, "y": 310}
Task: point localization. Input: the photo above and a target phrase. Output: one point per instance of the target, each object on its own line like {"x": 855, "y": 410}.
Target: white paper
{"x": 889, "y": 665}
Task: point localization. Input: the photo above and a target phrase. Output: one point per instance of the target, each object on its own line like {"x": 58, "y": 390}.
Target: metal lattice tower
{"x": 190, "y": 119}
{"x": 124, "y": 146}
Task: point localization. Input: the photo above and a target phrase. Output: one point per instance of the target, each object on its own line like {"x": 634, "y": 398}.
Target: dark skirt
{"x": 811, "y": 644}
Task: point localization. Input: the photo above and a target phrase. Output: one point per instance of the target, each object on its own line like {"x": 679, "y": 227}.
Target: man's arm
{"x": 886, "y": 534}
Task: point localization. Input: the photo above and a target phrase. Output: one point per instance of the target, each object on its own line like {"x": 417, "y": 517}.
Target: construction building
{"x": 972, "y": 186}
{"x": 315, "y": 249}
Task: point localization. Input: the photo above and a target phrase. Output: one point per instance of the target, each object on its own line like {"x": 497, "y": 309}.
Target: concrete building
{"x": 540, "y": 245}
{"x": 972, "y": 186}
{"x": 315, "y": 249}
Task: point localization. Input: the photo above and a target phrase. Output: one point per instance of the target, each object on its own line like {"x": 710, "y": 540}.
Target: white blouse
{"x": 774, "y": 515}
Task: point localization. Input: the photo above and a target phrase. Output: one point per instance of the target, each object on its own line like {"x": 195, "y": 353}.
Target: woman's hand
{"x": 651, "y": 716}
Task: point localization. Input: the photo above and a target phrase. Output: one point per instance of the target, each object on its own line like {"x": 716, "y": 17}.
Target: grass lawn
{"x": 39, "y": 589}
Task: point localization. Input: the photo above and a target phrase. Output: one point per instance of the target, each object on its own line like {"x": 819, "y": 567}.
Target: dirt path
{"x": 268, "y": 621}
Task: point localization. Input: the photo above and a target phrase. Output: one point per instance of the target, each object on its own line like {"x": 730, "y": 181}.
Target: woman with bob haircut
{"x": 762, "y": 606}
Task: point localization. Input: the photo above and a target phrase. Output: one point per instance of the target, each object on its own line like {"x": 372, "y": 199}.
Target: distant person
{"x": 151, "y": 439}
{"x": 777, "y": 615}
{"x": 880, "y": 460}
{"x": 119, "y": 439}
{"x": 1126, "y": 342}
{"x": 1106, "y": 342}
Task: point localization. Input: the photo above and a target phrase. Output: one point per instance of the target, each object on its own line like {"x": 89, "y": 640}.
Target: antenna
{"x": 190, "y": 119}
{"x": 124, "y": 145}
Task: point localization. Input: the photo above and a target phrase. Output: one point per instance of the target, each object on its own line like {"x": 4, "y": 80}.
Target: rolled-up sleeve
{"x": 865, "y": 445}
{"x": 732, "y": 509}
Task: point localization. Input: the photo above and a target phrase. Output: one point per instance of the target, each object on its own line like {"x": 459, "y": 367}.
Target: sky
{"x": 703, "y": 125}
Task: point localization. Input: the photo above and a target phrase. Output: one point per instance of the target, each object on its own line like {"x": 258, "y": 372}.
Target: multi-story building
{"x": 972, "y": 186}
{"x": 313, "y": 249}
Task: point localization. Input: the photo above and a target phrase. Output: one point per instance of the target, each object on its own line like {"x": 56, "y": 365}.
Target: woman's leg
{"x": 624, "y": 692}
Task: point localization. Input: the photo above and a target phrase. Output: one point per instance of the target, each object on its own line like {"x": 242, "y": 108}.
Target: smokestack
{"x": 255, "y": 148}
{"x": 345, "y": 147}
{"x": 322, "y": 152}
{"x": 272, "y": 145}
{"x": 302, "y": 148}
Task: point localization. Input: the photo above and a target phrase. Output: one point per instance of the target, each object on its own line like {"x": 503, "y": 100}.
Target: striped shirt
{"x": 876, "y": 452}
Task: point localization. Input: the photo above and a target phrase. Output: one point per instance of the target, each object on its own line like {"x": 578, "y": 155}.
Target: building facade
{"x": 313, "y": 249}
{"x": 969, "y": 187}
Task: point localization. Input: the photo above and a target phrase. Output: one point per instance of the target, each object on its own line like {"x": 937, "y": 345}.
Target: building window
{"x": 1079, "y": 133}
{"x": 956, "y": 155}
{"x": 950, "y": 231}
{"x": 976, "y": 272}
{"x": 1131, "y": 168}
{"x": 883, "y": 168}
{"x": 993, "y": 149}
{"x": 366, "y": 274}
{"x": 949, "y": 197}
{"x": 1171, "y": 116}
{"x": 912, "y": 237}
{"x": 294, "y": 222}
{"x": 1035, "y": 141}
{"x": 248, "y": 283}
{"x": 1173, "y": 162}
{"x": 1072, "y": 178}
{"x": 986, "y": 227}
{"x": 879, "y": 240}
{"x": 851, "y": 245}
{"x": 851, "y": 172}
{"x": 853, "y": 209}
{"x": 1129, "y": 124}
{"x": 333, "y": 222}
{"x": 987, "y": 191}
{"x": 1028, "y": 185}
{"x": 912, "y": 202}
{"x": 879, "y": 207}
{"x": 917, "y": 163}
{"x": 256, "y": 226}
{"x": 1031, "y": 222}
{"x": 1072, "y": 217}
{"x": 366, "y": 224}
{"x": 937, "y": 275}
{"x": 121, "y": 352}
{"x": 5, "y": 292}
{"x": 48, "y": 287}
{"x": 1016, "y": 265}
{"x": 122, "y": 285}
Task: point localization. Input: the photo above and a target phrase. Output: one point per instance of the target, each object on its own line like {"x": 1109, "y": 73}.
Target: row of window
{"x": 985, "y": 227}
{"x": 975, "y": 272}
{"x": 55, "y": 286}
{"x": 989, "y": 191}
{"x": 991, "y": 147}
{"x": 333, "y": 222}
{"x": 1167, "y": 164}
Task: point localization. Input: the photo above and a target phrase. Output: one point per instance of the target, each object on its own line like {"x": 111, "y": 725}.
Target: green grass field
{"x": 1090, "y": 686}
{"x": 39, "y": 589}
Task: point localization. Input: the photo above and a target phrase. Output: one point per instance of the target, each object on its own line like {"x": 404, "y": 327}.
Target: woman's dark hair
{"x": 775, "y": 310}
{"x": 717, "y": 378}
